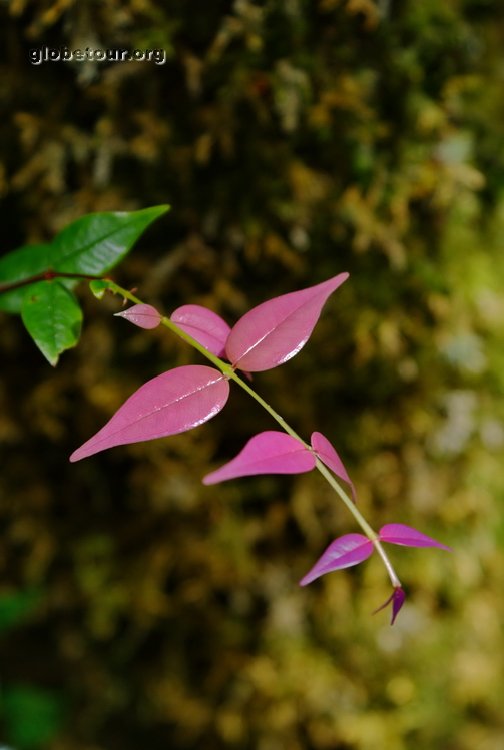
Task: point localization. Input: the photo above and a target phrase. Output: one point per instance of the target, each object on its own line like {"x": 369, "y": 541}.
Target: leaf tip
{"x": 80, "y": 453}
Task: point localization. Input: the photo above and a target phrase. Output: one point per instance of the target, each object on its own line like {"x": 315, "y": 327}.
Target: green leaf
{"x": 95, "y": 243}
{"x": 18, "y": 265}
{"x": 91, "y": 245}
{"x": 52, "y": 317}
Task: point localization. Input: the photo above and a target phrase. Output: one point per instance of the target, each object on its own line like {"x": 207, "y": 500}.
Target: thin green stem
{"x": 229, "y": 372}
{"x": 368, "y": 530}
{"x": 386, "y": 561}
{"x": 276, "y": 416}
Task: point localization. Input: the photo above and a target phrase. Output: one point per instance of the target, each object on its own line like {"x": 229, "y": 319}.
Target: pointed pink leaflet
{"x": 276, "y": 330}
{"x": 141, "y": 315}
{"x": 269, "y": 452}
{"x": 208, "y": 328}
{"x": 347, "y": 550}
{"x": 173, "y": 402}
{"x": 398, "y": 533}
{"x": 327, "y": 454}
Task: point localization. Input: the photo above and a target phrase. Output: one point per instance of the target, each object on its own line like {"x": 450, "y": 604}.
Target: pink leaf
{"x": 144, "y": 316}
{"x": 267, "y": 453}
{"x": 276, "y": 330}
{"x": 398, "y": 533}
{"x": 208, "y": 328}
{"x": 173, "y": 402}
{"x": 327, "y": 454}
{"x": 344, "y": 552}
{"x": 397, "y": 598}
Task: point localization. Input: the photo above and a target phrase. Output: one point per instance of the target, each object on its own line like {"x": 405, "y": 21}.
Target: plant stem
{"x": 229, "y": 372}
{"x": 48, "y": 275}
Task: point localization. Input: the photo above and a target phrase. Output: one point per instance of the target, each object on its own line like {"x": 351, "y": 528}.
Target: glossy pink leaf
{"x": 398, "y": 533}
{"x": 276, "y": 330}
{"x": 173, "y": 402}
{"x": 327, "y": 454}
{"x": 144, "y": 316}
{"x": 397, "y": 598}
{"x": 267, "y": 453}
{"x": 208, "y": 328}
{"x": 344, "y": 552}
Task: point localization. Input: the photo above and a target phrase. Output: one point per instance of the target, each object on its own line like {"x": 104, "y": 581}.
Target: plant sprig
{"x": 36, "y": 281}
{"x": 187, "y": 396}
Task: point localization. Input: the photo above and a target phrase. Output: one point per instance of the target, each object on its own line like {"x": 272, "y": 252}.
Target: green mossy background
{"x": 294, "y": 139}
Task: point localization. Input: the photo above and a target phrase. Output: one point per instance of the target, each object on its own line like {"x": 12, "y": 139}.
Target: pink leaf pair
{"x": 208, "y": 328}
{"x": 265, "y": 336}
{"x": 173, "y": 402}
{"x": 352, "y": 549}
{"x": 274, "y": 452}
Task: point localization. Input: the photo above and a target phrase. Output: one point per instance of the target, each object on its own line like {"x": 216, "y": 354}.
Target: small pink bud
{"x": 143, "y": 316}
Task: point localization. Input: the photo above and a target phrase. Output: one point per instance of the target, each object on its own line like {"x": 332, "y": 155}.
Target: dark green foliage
{"x": 92, "y": 245}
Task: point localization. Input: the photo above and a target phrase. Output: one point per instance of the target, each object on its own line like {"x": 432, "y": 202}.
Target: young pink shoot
{"x": 275, "y": 452}
{"x": 143, "y": 316}
{"x": 327, "y": 454}
{"x": 397, "y": 598}
{"x": 173, "y": 402}
{"x": 203, "y": 325}
{"x": 276, "y": 330}
{"x": 269, "y": 452}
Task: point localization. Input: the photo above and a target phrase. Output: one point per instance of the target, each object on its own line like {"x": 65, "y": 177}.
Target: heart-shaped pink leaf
{"x": 327, "y": 454}
{"x": 144, "y": 316}
{"x": 208, "y": 328}
{"x": 173, "y": 402}
{"x": 269, "y": 452}
{"x": 276, "y": 330}
{"x": 344, "y": 552}
{"x": 398, "y": 533}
